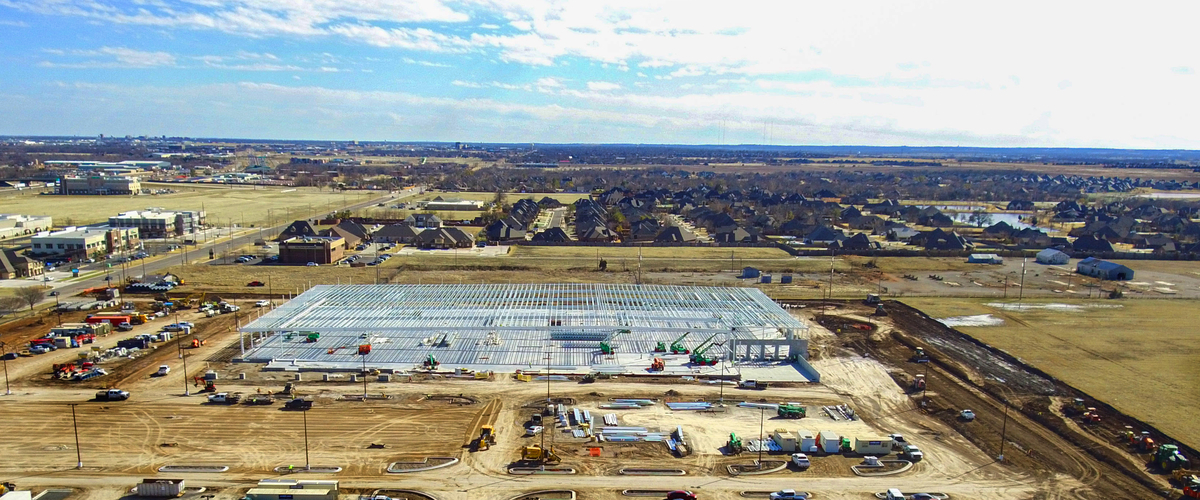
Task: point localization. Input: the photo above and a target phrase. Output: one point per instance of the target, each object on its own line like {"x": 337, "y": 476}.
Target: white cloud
{"x": 431, "y": 64}
{"x": 602, "y": 86}
{"x": 15, "y": 24}
{"x": 110, "y": 57}
{"x": 461, "y": 83}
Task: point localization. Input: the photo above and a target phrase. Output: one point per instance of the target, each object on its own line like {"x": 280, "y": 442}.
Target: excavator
{"x": 698, "y": 356}
{"x": 209, "y": 385}
{"x": 606, "y": 345}
{"x": 535, "y": 453}
{"x": 431, "y": 363}
{"x": 487, "y": 438}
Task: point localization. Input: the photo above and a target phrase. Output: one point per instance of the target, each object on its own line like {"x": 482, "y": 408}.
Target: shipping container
{"x": 873, "y": 445}
{"x": 806, "y": 441}
{"x": 785, "y": 439}
{"x": 160, "y": 488}
{"x": 829, "y": 441}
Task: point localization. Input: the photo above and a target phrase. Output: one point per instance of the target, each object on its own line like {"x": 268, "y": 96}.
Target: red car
{"x": 681, "y": 495}
{"x": 255, "y": 283}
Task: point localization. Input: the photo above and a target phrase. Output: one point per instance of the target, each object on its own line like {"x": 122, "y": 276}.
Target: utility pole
{"x": 75, "y": 425}
{"x": 187, "y": 391}
{"x": 1003, "y": 428}
{"x": 364, "y": 374}
{"x": 1021, "y": 292}
{"x": 831, "y": 263}
{"x": 306, "y": 463}
{"x": 4, "y": 349}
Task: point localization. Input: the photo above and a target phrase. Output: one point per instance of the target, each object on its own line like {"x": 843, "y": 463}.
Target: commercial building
{"x": 1053, "y": 257}
{"x": 14, "y": 266}
{"x": 305, "y": 249}
{"x": 1103, "y": 269}
{"x": 16, "y": 225}
{"x": 441, "y": 204}
{"x": 516, "y": 326}
{"x": 159, "y": 223}
{"x": 84, "y": 242}
{"x": 100, "y": 184}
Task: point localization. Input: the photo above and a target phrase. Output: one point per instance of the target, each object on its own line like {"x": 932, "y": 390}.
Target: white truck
{"x": 112, "y": 395}
{"x": 225, "y": 398}
{"x": 912, "y": 453}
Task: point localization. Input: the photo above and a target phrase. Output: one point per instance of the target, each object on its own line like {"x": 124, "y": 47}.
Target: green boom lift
{"x": 698, "y": 357}
{"x": 606, "y": 345}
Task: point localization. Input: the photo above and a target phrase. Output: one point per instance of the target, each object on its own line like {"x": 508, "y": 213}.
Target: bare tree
{"x": 31, "y": 295}
{"x": 10, "y": 305}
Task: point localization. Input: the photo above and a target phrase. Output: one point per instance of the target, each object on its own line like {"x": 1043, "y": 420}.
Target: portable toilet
{"x": 806, "y": 441}
{"x": 829, "y": 442}
{"x": 785, "y": 279}
{"x": 766, "y": 278}
{"x": 750, "y": 272}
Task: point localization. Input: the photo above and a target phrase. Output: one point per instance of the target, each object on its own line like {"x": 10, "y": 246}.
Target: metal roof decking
{"x": 403, "y": 322}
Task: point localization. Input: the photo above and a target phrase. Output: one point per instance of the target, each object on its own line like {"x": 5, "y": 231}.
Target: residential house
{"x": 423, "y": 221}
{"x": 675, "y": 234}
{"x": 552, "y": 235}
{"x": 938, "y": 239}
{"x": 13, "y": 266}
{"x": 1091, "y": 244}
{"x": 396, "y": 233}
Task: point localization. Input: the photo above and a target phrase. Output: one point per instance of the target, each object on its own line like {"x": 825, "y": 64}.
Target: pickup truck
{"x": 112, "y": 395}
{"x": 752, "y": 384}
{"x": 298, "y": 404}
{"x": 163, "y": 370}
{"x": 225, "y": 398}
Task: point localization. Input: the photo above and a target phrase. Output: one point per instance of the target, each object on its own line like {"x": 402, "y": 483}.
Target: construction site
{"x": 569, "y": 328}
{"x": 566, "y": 391}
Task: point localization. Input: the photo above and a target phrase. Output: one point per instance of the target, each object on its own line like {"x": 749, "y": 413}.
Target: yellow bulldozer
{"x": 535, "y": 453}
{"x": 487, "y": 438}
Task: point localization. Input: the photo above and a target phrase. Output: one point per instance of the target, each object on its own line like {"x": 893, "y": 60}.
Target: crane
{"x": 698, "y": 357}
{"x": 606, "y": 345}
{"x": 677, "y": 346}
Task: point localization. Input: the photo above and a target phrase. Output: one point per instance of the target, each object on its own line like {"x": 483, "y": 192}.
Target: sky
{"x": 916, "y": 73}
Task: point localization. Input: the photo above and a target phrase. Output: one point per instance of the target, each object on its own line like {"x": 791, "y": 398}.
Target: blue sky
{"x": 1092, "y": 74}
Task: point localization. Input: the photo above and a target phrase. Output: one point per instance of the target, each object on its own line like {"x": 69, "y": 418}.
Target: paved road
{"x": 200, "y": 251}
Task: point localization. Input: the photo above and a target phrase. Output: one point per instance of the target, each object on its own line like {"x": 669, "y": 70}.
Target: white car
{"x": 788, "y": 495}
{"x": 801, "y": 460}
{"x": 967, "y": 415}
{"x": 262, "y": 303}
{"x": 312, "y": 264}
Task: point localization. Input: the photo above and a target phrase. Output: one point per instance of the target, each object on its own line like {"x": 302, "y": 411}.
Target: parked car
{"x": 39, "y": 349}
{"x": 801, "y": 460}
{"x": 124, "y": 326}
{"x": 312, "y": 264}
{"x": 967, "y": 415}
{"x": 163, "y": 370}
{"x": 256, "y": 283}
{"x": 681, "y": 495}
{"x": 112, "y": 395}
{"x": 262, "y": 303}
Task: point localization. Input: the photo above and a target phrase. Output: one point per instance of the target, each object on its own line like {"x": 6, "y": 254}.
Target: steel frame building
{"x": 514, "y": 326}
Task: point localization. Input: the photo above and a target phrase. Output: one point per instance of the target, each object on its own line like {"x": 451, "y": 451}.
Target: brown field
{"x": 337, "y": 432}
{"x": 244, "y": 205}
{"x": 1140, "y": 356}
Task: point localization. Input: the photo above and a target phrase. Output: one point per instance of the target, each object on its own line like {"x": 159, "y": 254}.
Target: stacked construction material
{"x": 767, "y": 445}
{"x": 639, "y": 402}
{"x": 689, "y": 406}
{"x": 610, "y": 419}
{"x": 759, "y": 405}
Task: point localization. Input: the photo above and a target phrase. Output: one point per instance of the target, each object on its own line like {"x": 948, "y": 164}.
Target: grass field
{"x": 1140, "y": 356}
{"x": 244, "y": 205}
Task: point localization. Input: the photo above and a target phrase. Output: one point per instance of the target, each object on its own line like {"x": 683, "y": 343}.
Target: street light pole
{"x": 762, "y": 418}
{"x": 75, "y": 425}
{"x": 1003, "y": 428}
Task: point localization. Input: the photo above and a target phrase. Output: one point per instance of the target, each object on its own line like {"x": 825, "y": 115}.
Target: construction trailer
{"x": 829, "y": 442}
{"x": 806, "y": 441}
{"x": 786, "y": 440}
{"x": 165, "y": 488}
{"x": 872, "y": 445}
{"x": 292, "y": 489}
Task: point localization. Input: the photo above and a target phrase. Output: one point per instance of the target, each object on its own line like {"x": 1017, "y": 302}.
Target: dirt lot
{"x": 1101, "y": 348}
{"x": 244, "y": 205}
{"x": 860, "y": 368}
